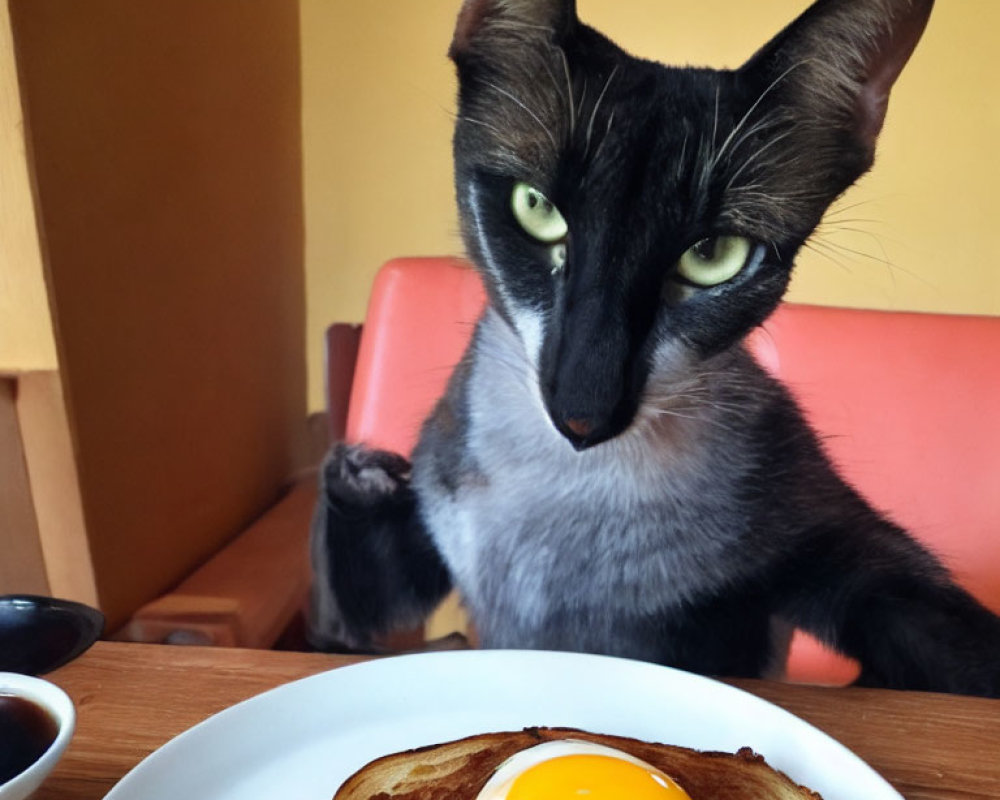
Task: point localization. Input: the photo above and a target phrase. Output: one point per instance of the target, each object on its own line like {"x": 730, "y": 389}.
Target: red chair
{"x": 908, "y": 402}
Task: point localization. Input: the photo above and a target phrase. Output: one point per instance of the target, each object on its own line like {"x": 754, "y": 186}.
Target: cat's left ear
{"x": 841, "y": 58}
{"x": 481, "y": 20}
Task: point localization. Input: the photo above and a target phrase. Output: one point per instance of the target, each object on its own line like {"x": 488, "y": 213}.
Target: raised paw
{"x": 357, "y": 477}
{"x": 361, "y": 522}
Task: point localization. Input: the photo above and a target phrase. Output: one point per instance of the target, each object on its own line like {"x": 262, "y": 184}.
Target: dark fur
{"x": 744, "y": 528}
{"x": 366, "y": 498}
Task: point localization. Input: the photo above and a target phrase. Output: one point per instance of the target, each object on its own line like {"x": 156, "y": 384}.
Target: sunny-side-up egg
{"x": 571, "y": 769}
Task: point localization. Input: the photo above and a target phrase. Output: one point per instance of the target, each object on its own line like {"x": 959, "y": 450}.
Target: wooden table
{"x": 131, "y": 698}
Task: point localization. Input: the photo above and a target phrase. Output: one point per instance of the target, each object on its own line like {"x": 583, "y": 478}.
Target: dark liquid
{"x": 26, "y": 731}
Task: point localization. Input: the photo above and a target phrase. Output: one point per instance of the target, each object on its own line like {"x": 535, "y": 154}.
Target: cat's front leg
{"x": 871, "y": 591}
{"x": 936, "y": 638}
{"x": 375, "y": 568}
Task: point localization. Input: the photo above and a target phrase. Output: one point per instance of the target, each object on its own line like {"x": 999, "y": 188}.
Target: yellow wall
{"x": 377, "y": 116}
{"x": 378, "y": 98}
{"x": 26, "y": 339}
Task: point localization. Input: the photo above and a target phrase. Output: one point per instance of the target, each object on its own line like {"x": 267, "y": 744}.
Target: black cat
{"x": 610, "y": 471}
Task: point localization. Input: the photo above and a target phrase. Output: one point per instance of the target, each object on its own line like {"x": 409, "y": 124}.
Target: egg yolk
{"x": 593, "y": 777}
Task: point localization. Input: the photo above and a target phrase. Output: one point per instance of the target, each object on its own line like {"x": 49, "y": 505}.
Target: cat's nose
{"x": 577, "y": 430}
{"x": 581, "y": 427}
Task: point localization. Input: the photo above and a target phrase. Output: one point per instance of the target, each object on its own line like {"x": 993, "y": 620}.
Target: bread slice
{"x": 459, "y": 770}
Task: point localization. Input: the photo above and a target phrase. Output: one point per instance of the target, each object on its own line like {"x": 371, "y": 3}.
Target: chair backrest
{"x": 909, "y": 405}
{"x": 419, "y": 321}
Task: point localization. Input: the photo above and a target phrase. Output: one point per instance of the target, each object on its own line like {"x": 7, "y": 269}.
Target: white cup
{"x": 60, "y": 708}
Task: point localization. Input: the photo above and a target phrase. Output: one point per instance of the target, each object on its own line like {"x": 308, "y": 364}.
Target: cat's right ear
{"x": 479, "y": 20}
{"x": 840, "y": 59}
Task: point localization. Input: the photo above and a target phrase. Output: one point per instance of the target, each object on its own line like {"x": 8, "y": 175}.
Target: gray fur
{"x": 532, "y": 529}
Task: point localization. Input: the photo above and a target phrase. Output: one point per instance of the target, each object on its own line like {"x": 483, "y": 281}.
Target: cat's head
{"x": 626, "y": 215}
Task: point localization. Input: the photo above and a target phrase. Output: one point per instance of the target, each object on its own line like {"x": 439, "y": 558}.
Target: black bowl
{"x": 40, "y": 634}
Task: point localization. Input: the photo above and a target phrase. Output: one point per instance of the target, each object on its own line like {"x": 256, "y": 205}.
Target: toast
{"x": 458, "y": 770}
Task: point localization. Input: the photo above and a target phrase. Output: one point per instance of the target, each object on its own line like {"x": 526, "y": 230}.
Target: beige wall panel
{"x": 22, "y": 569}
{"x": 55, "y": 490}
{"x": 167, "y": 151}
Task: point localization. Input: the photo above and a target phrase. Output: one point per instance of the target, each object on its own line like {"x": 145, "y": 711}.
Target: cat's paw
{"x": 365, "y": 499}
{"x": 359, "y": 478}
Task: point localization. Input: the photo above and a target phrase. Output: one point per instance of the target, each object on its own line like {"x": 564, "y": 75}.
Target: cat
{"x": 609, "y": 470}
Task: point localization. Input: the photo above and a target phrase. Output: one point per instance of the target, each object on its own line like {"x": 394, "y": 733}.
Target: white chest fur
{"x": 639, "y": 523}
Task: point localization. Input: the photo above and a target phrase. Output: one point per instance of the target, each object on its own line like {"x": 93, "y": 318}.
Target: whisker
{"x": 839, "y": 223}
{"x": 842, "y": 209}
{"x": 757, "y": 155}
{"x": 482, "y": 124}
{"x": 763, "y": 95}
{"x": 555, "y": 81}
{"x": 702, "y": 400}
{"x": 569, "y": 86}
{"x": 705, "y": 177}
{"x": 597, "y": 105}
{"x": 531, "y": 113}
{"x": 860, "y": 253}
{"x": 607, "y": 132}
{"x": 715, "y": 121}
{"x": 518, "y": 27}
{"x": 860, "y": 232}
{"x": 891, "y": 266}
{"x": 684, "y": 147}
{"x": 700, "y": 418}
{"x": 556, "y": 84}
{"x": 765, "y": 122}
{"x": 814, "y": 246}
{"x": 664, "y": 412}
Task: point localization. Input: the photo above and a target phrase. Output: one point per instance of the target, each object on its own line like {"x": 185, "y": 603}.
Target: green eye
{"x": 715, "y": 260}
{"x": 537, "y": 215}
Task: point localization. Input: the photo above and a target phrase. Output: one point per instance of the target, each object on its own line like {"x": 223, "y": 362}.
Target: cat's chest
{"x": 536, "y": 519}
{"x": 518, "y": 453}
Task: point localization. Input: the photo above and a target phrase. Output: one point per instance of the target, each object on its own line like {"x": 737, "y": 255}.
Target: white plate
{"x": 303, "y": 739}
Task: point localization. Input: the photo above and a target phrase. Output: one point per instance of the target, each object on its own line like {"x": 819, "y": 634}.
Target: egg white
{"x": 498, "y": 786}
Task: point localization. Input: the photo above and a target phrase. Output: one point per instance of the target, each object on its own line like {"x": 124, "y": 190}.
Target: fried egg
{"x": 571, "y": 769}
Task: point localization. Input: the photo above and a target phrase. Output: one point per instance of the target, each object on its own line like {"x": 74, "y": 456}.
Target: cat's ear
{"x": 841, "y": 58}
{"x": 479, "y": 19}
